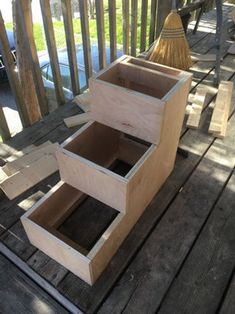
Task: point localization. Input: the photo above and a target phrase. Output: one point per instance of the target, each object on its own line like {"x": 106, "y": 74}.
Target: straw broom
{"x": 172, "y": 48}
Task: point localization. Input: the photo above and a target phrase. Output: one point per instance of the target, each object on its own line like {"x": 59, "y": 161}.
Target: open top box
{"x": 131, "y": 94}
{"x": 87, "y": 158}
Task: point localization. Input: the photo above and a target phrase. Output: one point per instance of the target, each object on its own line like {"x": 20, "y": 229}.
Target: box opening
{"x": 138, "y": 79}
{"x": 105, "y": 146}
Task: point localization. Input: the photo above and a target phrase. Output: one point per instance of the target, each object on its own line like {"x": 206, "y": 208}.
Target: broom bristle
{"x": 172, "y": 47}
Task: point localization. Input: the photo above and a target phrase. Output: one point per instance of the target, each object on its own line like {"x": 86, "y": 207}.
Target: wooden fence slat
{"x": 125, "y": 25}
{"x": 12, "y": 75}
{"x": 85, "y": 37}
{"x": 163, "y": 9}
{"x": 99, "y": 6}
{"x": 70, "y": 42}
{"x": 5, "y": 132}
{"x": 153, "y": 13}
{"x": 52, "y": 51}
{"x": 134, "y": 15}
{"x": 30, "y": 49}
{"x": 144, "y": 14}
{"x": 112, "y": 30}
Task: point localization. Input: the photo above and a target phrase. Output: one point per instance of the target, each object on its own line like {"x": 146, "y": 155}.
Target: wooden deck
{"x": 180, "y": 256}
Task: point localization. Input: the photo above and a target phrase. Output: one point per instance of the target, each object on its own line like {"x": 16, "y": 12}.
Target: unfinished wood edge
{"x": 185, "y": 78}
{"x": 77, "y": 120}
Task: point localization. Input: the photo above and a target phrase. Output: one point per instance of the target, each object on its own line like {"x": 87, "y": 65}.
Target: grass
{"x": 60, "y": 35}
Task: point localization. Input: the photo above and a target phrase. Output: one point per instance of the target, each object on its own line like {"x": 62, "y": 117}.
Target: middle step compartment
{"x": 86, "y": 160}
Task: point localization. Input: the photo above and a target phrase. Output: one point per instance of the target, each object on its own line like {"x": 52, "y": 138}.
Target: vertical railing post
{"x": 12, "y": 74}
{"x": 5, "y": 132}
{"x": 153, "y": 20}
{"x": 112, "y": 30}
{"x": 70, "y": 43}
{"x": 125, "y": 25}
{"x": 163, "y": 9}
{"x": 99, "y": 6}
{"x": 144, "y": 13}
{"x": 52, "y": 51}
{"x": 134, "y": 15}
{"x": 83, "y": 5}
{"x": 30, "y": 50}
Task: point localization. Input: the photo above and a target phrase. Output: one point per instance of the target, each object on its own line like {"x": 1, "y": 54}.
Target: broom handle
{"x": 174, "y": 7}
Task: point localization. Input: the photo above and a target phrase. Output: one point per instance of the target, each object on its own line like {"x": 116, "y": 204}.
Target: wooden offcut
{"x": 84, "y": 101}
{"x": 203, "y": 58}
{"x": 77, "y": 120}
{"x": 199, "y": 101}
{"x": 218, "y": 124}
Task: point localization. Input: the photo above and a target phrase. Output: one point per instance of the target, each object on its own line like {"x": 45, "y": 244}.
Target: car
{"x": 10, "y": 36}
{"x": 46, "y": 70}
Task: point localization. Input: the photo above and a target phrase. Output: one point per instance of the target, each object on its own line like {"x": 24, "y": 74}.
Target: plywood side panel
{"x": 138, "y": 115}
{"x": 58, "y": 250}
{"x": 92, "y": 179}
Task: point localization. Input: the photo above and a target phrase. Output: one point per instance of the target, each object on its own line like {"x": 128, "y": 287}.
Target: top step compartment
{"x": 131, "y": 94}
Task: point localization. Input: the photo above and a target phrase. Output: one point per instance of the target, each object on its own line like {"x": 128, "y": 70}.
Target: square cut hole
{"x": 139, "y": 79}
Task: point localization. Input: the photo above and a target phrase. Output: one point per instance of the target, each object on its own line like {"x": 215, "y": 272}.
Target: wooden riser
{"x": 131, "y": 95}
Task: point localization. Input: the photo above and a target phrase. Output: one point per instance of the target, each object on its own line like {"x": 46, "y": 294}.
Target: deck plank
{"x": 228, "y": 306}
{"x": 135, "y": 278}
{"x": 18, "y": 294}
{"x": 206, "y": 272}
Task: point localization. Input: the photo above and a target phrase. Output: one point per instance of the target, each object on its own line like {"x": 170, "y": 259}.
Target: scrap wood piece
{"x": 26, "y": 150}
{"x": 14, "y": 166}
{"x": 203, "y": 58}
{"x": 231, "y": 49}
{"x": 199, "y": 101}
{"x": 29, "y": 176}
{"x": 77, "y": 120}
{"x": 220, "y": 114}
{"x": 232, "y": 16}
{"x": 84, "y": 101}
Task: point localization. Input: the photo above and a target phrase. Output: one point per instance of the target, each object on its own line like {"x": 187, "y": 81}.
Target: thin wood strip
{"x": 125, "y": 25}
{"x": 77, "y": 120}
{"x": 29, "y": 176}
{"x": 33, "y": 57}
{"x": 12, "y": 75}
{"x": 99, "y": 5}
{"x": 203, "y": 58}
{"x": 152, "y": 21}
{"x": 112, "y": 30}
{"x": 52, "y": 50}
{"x": 134, "y": 15}
{"x": 144, "y": 13}
{"x": 70, "y": 43}
{"x": 196, "y": 109}
{"x": 5, "y": 132}
{"x": 86, "y": 38}
{"x": 84, "y": 101}
{"x": 14, "y": 166}
{"x": 219, "y": 118}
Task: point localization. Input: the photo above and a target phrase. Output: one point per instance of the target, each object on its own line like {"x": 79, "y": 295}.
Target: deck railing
{"x": 141, "y": 24}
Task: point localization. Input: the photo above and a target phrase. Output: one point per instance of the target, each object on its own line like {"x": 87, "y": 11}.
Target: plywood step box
{"x": 138, "y": 109}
